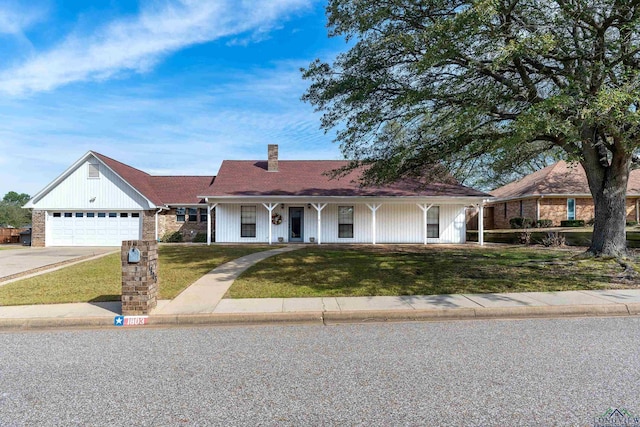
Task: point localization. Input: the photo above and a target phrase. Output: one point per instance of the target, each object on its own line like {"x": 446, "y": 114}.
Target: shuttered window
{"x": 345, "y": 222}
{"x": 247, "y": 221}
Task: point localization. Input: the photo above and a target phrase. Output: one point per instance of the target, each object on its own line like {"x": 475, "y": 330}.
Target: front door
{"x": 296, "y": 224}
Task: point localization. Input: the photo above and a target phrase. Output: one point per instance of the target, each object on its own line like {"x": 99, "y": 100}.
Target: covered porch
{"x": 341, "y": 220}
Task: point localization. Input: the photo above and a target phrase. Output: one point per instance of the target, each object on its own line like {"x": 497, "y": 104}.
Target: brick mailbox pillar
{"x": 139, "y": 276}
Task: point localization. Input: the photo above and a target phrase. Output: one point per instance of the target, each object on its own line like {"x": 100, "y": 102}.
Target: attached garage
{"x": 92, "y": 228}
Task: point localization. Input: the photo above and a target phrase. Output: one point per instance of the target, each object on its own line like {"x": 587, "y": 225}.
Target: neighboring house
{"x": 99, "y": 201}
{"x": 297, "y": 201}
{"x": 558, "y": 192}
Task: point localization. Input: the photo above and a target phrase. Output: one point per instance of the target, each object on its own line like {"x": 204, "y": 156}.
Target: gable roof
{"x": 559, "y": 179}
{"x": 158, "y": 190}
{"x": 167, "y": 190}
{"x": 309, "y": 178}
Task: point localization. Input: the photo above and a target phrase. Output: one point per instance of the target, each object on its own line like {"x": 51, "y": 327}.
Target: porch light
{"x": 308, "y": 205}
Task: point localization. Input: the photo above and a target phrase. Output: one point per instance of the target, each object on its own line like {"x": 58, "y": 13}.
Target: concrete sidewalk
{"x": 340, "y": 309}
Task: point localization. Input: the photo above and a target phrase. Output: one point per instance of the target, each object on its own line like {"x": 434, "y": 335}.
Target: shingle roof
{"x": 309, "y": 178}
{"x": 161, "y": 190}
{"x": 561, "y": 178}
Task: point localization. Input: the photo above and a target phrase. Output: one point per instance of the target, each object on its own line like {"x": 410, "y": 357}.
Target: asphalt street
{"x": 539, "y": 372}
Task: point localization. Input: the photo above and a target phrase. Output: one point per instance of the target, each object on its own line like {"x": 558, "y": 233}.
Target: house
{"x": 99, "y": 201}
{"x": 9, "y": 234}
{"x": 297, "y": 201}
{"x": 558, "y": 192}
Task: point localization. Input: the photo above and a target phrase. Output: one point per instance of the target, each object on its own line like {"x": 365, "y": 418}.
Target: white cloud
{"x": 15, "y": 22}
{"x": 137, "y": 44}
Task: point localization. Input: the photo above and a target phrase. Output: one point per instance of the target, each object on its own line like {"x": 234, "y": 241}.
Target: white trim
{"x": 374, "y": 207}
{"x": 481, "y": 224}
{"x": 209, "y": 209}
{"x": 425, "y": 209}
{"x": 270, "y": 208}
{"x": 319, "y": 207}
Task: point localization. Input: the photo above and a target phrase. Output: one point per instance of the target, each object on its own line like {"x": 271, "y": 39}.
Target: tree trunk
{"x": 608, "y": 186}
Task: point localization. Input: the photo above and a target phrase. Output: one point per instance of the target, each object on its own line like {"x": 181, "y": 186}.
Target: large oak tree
{"x": 467, "y": 83}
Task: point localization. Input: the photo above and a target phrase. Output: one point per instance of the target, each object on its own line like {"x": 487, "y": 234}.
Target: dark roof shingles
{"x": 312, "y": 178}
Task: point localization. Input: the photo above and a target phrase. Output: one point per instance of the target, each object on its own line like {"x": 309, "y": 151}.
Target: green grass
{"x": 416, "y": 270}
{"x": 5, "y": 246}
{"x": 100, "y": 279}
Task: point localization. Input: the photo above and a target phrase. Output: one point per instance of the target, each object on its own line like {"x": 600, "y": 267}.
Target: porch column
{"x": 638, "y": 211}
{"x": 425, "y": 209}
{"x": 481, "y": 224}
{"x": 374, "y": 207}
{"x": 319, "y": 207}
{"x": 209, "y": 209}
{"x": 270, "y": 207}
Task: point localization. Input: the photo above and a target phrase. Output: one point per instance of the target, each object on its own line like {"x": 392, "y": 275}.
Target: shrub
{"x": 572, "y": 223}
{"x": 544, "y": 223}
{"x": 200, "y": 238}
{"x": 554, "y": 239}
{"x": 632, "y": 223}
{"x": 172, "y": 237}
{"x": 520, "y": 222}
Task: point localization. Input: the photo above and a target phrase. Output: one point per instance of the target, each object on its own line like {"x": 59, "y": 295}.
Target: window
{"x": 90, "y": 214}
{"x": 433, "y": 222}
{"x": 203, "y": 215}
{"x": 67, "y": 215}
{"x": 505, "y": 209}
{"x": 56, "y": 215}
{"x": 124, "y": 215}
{"x": 193, "y": 215}
{"x": 345, "y": 221}
{"x": 93, "y": 170}
{"x": 180, "y": 214}
{"x": 247, "y": 221}
{"x": 79, "y": 214}
{"x": 113, "y": 215}
{"x": 135, "y": 215}
{"x": 101, "y": 214}
{"x": 571, "y": 209}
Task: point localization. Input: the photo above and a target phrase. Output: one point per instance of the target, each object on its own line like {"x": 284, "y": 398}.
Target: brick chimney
{"x": 272, "y": 164}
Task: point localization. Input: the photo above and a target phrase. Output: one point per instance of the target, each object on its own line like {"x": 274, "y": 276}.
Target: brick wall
{"x": 168, "y": 223}
{"x": 500, "y": 220}
{"x": 149, "y": 225}
{"x": 631, "y": 209}
{"x": 38, "y": 222}
{"x": 140, "y": 279}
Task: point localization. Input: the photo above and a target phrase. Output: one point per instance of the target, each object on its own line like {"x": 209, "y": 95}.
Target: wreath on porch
{"x": 276, "y": 219}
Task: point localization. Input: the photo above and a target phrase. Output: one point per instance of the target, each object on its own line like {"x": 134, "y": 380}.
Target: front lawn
{"x": 419, "y": 270}
{"x": 100, "y": 279}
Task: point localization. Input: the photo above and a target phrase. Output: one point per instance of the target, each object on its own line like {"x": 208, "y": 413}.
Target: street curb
{"x": 332, "y": 317}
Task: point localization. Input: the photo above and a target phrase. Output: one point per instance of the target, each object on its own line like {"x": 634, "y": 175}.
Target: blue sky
{"x": 169, "y": 87}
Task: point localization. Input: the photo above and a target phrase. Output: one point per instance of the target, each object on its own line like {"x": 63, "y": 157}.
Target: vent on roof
{"x": 272, "y": 164}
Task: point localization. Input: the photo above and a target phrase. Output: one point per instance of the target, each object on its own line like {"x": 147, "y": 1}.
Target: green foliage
{"x": 200, "y": 238}
{"x": 520, "y": 222}
{"x": 172, "y": 237}
{"x": 11, "y": 212}
{"x": 572, "y": 223}
{"x": 632, "y": 223}
{"x": 544, "y": 223}
{"x": 484, "y": 87}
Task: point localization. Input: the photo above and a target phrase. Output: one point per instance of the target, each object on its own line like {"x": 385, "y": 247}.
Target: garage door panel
{"x": 92, "y": 230}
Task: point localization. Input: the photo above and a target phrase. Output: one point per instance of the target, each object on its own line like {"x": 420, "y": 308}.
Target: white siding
{"x": 77, "y": 189}
{"x": 395, "y": 223}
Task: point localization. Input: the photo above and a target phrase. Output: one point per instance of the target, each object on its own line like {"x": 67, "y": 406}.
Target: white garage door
{"x": 92, "y": 228}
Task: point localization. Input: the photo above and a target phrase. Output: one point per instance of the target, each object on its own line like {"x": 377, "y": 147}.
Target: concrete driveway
{"x": 21, "y": 261}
